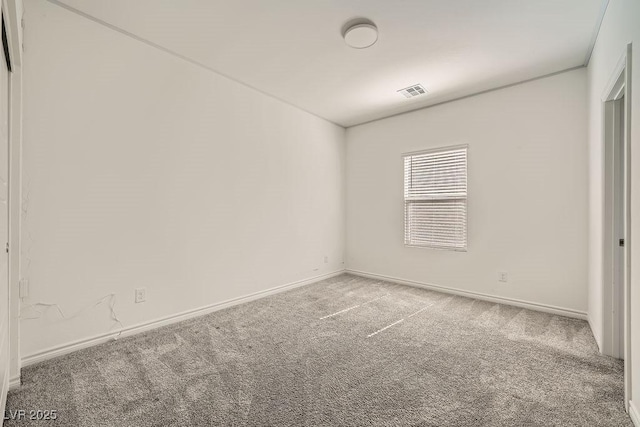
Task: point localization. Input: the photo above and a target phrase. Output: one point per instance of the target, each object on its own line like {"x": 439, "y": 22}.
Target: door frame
{"x": 619, "y": 86}
{"x": 12, "y": 10}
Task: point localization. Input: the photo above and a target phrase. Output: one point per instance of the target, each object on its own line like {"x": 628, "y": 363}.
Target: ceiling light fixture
{"x": 360, "y": 33}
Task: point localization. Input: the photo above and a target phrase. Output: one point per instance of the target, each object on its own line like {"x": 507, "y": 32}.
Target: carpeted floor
{"x": 346, "y": 351}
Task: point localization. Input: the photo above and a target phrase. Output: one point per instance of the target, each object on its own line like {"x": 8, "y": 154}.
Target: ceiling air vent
{"x": 412, "y": 91}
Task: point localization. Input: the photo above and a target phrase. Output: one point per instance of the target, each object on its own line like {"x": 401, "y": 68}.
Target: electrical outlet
{"x": 24, "y": 288}
{"x": 326, "y": 259}
{"x": 141, "y": 295}
{"x": 502, "y": 277}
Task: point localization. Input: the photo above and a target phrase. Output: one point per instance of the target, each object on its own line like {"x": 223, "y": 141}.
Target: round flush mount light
{"x": 360, "y": 34}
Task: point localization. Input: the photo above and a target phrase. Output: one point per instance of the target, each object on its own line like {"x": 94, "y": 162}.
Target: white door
{"x": 4, "y": 228}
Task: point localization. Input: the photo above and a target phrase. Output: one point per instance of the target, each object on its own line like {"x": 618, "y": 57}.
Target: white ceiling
{"x": 293, "y": 49}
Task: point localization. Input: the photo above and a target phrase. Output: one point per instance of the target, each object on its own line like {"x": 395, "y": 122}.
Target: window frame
{"x": 404, "y": 202}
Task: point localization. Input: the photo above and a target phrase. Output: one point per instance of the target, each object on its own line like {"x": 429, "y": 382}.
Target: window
{"x": 435, "y": 198}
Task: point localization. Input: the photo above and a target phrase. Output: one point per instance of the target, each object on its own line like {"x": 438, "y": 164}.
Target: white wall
{"x": 527, "y": 193}
{"x": 142, "y": 170}
{"x": 621, "y": 25}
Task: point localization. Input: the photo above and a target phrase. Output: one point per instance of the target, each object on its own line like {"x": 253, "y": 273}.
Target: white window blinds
{"x": 435, "y": 199}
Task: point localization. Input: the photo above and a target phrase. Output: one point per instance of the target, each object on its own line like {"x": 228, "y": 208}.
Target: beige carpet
{"x": 347, "y": 351}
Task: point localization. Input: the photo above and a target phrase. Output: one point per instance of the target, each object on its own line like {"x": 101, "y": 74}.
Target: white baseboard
{"x": 634, "y": 414}
{"x": 4, "y": 371}
{"x": 4, "y": 389}
{"x": 476, "y": 295}
{"x": 596, "y": 337}
{"x": 14, "y": 382}
{"x": 56, "y": 351}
